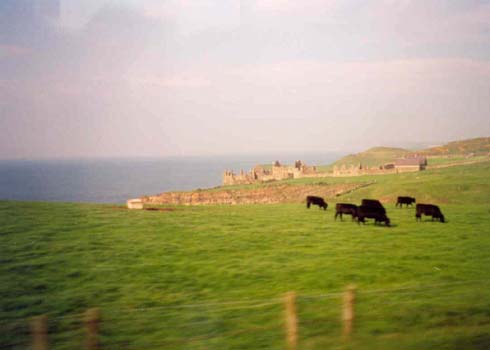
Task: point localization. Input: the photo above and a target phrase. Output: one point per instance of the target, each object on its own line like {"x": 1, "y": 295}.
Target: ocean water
{"x": 116, "y": 180}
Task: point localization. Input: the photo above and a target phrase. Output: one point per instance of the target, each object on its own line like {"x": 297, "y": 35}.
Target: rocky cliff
{"x": 283, "y": 193}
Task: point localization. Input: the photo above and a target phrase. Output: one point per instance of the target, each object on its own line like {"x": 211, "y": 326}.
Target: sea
{"x": 114, "y": 180}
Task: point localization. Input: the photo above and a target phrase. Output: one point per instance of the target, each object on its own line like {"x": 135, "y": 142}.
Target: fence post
{"x": 92, "y": 320}
{"x": 39, "y": 331}
{"x": 348, "y": 311}
{"x": 291, "y": 320}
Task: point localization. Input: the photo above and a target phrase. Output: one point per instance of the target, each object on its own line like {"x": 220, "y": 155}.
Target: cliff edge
{"x": 283, "y": 193}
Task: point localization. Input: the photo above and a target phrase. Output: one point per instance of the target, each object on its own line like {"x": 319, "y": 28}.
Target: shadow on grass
{"x": 434, "y": 221}
{"x": 477, "y": 342}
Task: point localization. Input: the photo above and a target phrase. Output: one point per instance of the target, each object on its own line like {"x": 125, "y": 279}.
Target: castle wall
{"x": 282, "y": 172}
{"x": 230, "y": 178}
{"x": 278, "y": 172}
{"x": 352, "y": 170}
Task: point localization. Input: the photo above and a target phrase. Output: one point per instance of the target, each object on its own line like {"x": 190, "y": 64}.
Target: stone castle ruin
{"x": 300, "y": 170}
{"x": 277, "y": 172}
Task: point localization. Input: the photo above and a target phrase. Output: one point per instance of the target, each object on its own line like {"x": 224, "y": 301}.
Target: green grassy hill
{"x": 213, "y": 277}
{"x": 478, "y": 146}
{"x": 376, "y": 156}
{"x": 455, "y": 185}
{"x": 372, "y": 157}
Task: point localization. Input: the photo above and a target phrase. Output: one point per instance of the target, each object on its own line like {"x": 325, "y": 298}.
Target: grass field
{"x": 456, "y": 185}
{"x": 448, "y": 160}
{"x": 375, "y": 156}
{"x": 213, "y": 277}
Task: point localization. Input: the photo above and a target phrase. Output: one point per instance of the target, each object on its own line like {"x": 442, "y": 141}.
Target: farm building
{"x": 415, "y": 163}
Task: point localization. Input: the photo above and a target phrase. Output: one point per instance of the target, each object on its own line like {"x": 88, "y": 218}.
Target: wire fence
{"x": 263, "y": 323}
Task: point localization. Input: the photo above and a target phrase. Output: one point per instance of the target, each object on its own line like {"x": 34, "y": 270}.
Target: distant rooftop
{"x": 412, "y": 160}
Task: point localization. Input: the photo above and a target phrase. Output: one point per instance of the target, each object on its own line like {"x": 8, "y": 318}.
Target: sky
{"x": 156, "y": 78}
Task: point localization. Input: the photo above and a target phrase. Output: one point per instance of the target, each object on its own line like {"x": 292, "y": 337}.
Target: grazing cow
{"x": 316, "y": 201}
{"x": 429, "y": 210}
{"x": 405, "y": 200}
{"x": 373, "y": 203}
{"x": 345, "y": 208}
{"x": 377, "y": 214}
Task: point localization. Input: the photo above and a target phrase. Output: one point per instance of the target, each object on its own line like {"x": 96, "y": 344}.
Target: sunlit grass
{"x": 212, "y": 277}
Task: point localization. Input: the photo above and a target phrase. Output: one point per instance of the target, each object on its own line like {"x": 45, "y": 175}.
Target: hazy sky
{"x": 195, "y": 77}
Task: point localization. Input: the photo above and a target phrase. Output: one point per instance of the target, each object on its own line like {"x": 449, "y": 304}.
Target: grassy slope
{"x": 139, "y": 267}
{"x": 458, "y": 185}
{"x": 381, "y": 155}
{"x": 435, "y": 161}
{"x": 479, "y": 145}
{"x": 372, "y": 157}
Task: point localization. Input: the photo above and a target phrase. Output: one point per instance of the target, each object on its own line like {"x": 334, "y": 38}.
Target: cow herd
{"x": 373, "y": 209}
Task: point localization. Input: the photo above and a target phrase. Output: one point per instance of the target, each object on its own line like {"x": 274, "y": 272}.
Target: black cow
{"x": 345, "y": 208}
{"x": 373, "y": 203}
{"x": 429, "y": 210}
{"x": 316, "y": 201}
{"x": 405, "y": 200}
{"x": 377, "y": 214}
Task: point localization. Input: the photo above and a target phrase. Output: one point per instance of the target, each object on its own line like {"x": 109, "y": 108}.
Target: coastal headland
{"x": 279, "y": 183}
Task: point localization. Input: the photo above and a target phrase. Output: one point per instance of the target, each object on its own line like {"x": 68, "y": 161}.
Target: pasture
{"x": 213, "y": 277}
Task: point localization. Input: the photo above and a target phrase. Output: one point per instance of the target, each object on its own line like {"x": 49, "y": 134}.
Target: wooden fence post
{"x": 348, "y": 311}
{"x": 39, "y": 331}
{"x": 92, "y": 320}
{"x": 291, "y": 320}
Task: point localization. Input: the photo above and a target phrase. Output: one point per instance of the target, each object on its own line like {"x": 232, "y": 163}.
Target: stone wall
{"x": 230, "y": 178}
{"x": 408, "y": 168}
{"x": 359, "y": 170}
{"x": 277, "y": 173}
